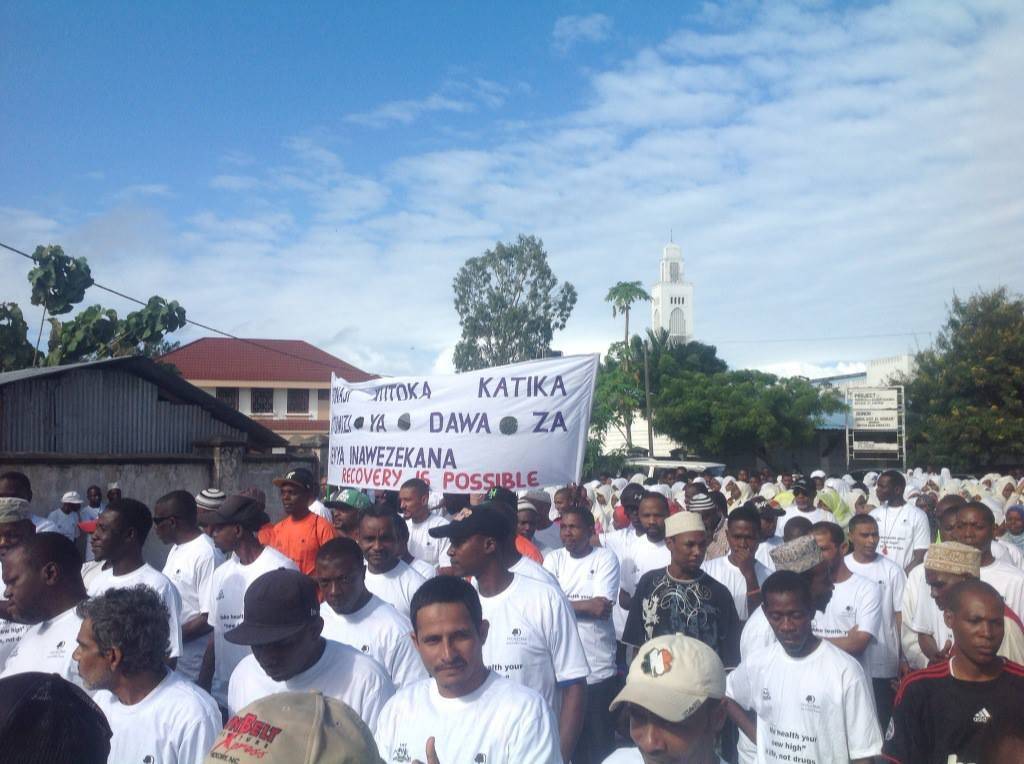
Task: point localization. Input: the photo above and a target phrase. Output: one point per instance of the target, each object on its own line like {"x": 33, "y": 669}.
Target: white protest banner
{"x": 519, "y": 426}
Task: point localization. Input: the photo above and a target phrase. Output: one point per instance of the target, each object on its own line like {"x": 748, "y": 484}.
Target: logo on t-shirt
{"x": 365, "y": 648}
{"x": 656, "y": 662}
{"x": 220, "y": 595}
{"x": 983, "y": 716}
{"x": 401, "y": 753}
{"x": 810, "y": 703}
{"x": 480, "y": 758}
{"x": 765, "y": 695}
{"x": 516, "y": 637}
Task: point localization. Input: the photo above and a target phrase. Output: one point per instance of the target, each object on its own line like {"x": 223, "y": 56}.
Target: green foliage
{"x": 15, "y": 349}
{"x": 595, "y": 462}
{"x": 965, "y": 402}
{"x": 58, "y": 284}
{"x": 509, "y": 305}
{"x": 619, "y": 393}
{"x": 622, "y": 296}
{"x": 58, "y": 281}
{"x": 730, "y": 411}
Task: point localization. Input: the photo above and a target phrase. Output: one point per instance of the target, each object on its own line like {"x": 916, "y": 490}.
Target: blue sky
{"x": 321, "y": 172}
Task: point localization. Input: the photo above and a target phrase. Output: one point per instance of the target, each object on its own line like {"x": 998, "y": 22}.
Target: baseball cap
{"x": 764, "y": 507}
{"x": 501, "y": 495}
{"x": 485, "y": 519}
{"x": 348, "y": 497}
{"x": 806, "y": 485}
{"x": 301, "y": 477}
{"x": 631, "y": 495}
{"x": 71, "y": 497}
{"x": 277, "y": 605}
{"x": 13, "y": 509}
{"x": 672, "y": 676}
{"x": 234, "y": 510}
{"x": 115, "y": 486}
{"x": 295, "y": 728}
{"x": 46, "y": 719}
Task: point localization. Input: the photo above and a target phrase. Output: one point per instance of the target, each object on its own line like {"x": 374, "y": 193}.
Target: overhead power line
{"x": 137, "y": 301}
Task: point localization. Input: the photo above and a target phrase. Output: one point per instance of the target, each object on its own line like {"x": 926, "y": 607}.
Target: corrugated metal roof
{"x": 213, "y": 358}
{"x": 106, "y": 412}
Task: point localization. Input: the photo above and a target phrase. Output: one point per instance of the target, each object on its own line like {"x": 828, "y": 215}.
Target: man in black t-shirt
{"x": 682, "y": 598}
{"x": 944, "y": 713}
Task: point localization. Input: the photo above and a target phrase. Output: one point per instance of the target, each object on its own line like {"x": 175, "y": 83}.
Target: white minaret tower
{"x": 672, "y": 297}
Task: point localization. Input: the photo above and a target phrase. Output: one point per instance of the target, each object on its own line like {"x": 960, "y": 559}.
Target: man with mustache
{"x": 466, "y": 711}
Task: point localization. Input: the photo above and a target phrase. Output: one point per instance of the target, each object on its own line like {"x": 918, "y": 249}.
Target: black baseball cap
{"x": 764, "y": 508}
{"x": 806, "y": 485}
{"x": 503, "y": 496}
{"x": 631, "y": 495}
{"x": 485, "y": 519}
{"x": 301, "y": 477}
{"x": 277, "y": 605}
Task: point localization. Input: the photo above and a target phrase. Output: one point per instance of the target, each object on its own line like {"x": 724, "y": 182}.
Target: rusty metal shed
{"x": 116, "y": 406}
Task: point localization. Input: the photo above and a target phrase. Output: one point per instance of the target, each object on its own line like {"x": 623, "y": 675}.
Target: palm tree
{"x": 622, "y": 296}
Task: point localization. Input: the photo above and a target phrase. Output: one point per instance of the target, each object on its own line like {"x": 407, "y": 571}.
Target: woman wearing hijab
{"x": 857, "y": 500}
{"x": 830, "y": 500}
{"x": 737, "y": 494}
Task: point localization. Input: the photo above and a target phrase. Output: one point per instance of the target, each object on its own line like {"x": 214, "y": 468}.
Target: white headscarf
{"x": 769, "y": 490}
{"x": 619, "y": 483}
{"x": 638, "y": 478}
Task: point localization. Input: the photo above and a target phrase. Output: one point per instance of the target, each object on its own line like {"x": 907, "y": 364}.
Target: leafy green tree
{"x": 509, "y": 304}
{"x": 965, "y": 401}
{"x": 622, "y": 296}
{"x": 618, "y": 395}
{"x": 15, "y": 349}
{"x": 729, "y": 411}
{"x": 58, "y": 284}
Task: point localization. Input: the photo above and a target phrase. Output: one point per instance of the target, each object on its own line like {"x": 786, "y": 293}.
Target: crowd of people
{"x": 677, "y": 618}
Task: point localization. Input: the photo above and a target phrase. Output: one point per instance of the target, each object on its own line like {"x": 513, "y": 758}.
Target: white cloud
{"x": 143, "y": 191}
{"x": 455, "y": 97}
{"x": 570, "y": 30}
{"x": 235, "y": 182}
{"x": 827, "y": 173}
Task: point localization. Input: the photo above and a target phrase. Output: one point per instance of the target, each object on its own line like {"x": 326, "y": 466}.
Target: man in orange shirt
{"x": 300, "y": 534}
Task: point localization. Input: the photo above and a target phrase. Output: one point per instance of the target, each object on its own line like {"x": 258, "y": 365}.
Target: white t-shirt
{"x": 318, "y": 508}
{"x": 757, "y": 635}
{"x": 67, "y": 524}
{"x": 764, "y": 552}
{"x": 425, "y": 569}
{"x": 1006, "y": 552}
{"x": 425, "y": 547}
{"x": 914, "y": 593}
{"x": 533, "y": 639}
{"x": 819, "y": 708}
{"x": 631, "y": 756}
{"x": 105, "y": 580}
{"x": 500, "y": 722}
{"x": 618, "y": 542}
{"x": 882, "y": 656}
{"x": 342, "y": 673}
{"x": 48, "y": 647}
{"x": 381, "y": 632}
{"x": 223, "y": 610}
{"x": 190, "y": 568}
{"x": 177, "y": 723}
{"x": 43, "y": 524}
{"x": 1008, "y": 580}
{"x": 902, "y": 531}
{"x": 816, "y": 515}
{"x": 730, "y": 576}
{"x": 396, "y": 587}
{"x": 645, "y": 555}
{"x": 596, "y": 575}
{"x": 855, "y": 602}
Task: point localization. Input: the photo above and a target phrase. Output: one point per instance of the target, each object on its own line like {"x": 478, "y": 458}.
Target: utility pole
{"x": 647, "y": 391}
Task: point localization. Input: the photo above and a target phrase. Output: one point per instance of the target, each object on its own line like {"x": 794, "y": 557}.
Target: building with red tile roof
{"x": 285, "y": 385}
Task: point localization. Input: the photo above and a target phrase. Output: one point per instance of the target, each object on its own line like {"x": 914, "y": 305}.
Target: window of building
{"x": 262, "y": 400}
{"x": 228, "y": 395}
{"x": 298, "y": 401}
